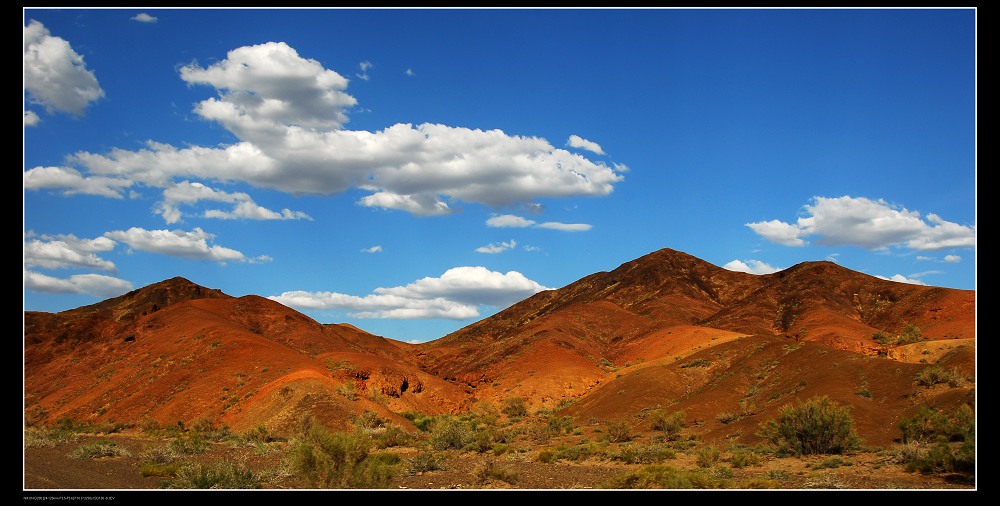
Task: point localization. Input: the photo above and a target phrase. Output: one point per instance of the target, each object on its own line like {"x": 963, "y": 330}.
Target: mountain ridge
{"x": 177, "y": 351}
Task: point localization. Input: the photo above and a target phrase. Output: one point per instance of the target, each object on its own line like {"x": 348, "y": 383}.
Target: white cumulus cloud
{"x": 67, "y": 251}
{"x": 288, "y": 114}
{"x": 143, "y": 17}
{"x": 455, "y": 295}
{"x": 870, "y": 224}
{"x": 55, "y": 76}
{"x": 373, "y": 249}
{"x": 751, "y": 267}
{"x": 899, "y": 278}
{"x": 89, "y": 284}
{"x": 193, "y": 245}
{"x": 190, "y": 193}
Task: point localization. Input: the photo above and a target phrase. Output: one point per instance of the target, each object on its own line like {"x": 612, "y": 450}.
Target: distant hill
{"x": 666, "y": 330}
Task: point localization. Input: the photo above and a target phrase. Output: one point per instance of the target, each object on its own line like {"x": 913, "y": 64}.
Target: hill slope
{"x": 666, "y": 330}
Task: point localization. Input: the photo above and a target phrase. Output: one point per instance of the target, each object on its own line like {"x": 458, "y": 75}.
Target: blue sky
{"x": 413, "y": 171}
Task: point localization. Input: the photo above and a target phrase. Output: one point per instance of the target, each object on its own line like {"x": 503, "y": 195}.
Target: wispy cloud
{"x": 497, "y": 248}
{"x": 575, "y": 141}
{"x": 143, "y": 17}
{"x": 512, "y": 221}
{"x": 870, "y": 224}
{"x": 364, "y": 66}
{"x": 373, "y": 249}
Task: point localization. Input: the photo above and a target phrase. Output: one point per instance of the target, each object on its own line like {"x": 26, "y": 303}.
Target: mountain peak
{"x": 152, "y": 298}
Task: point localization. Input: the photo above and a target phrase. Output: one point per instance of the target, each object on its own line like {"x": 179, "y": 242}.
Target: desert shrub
{"x": 831, "y": 463}
{"x": 910, "y": 334}
{"x": 208, "y": 429}
{"x": 643, "y": 454}
{"x": 259, "y": 435}
{"x": 423, "y": 462}
{"x": 936, "y": 442}
{"x": 220, "y": 475}
{"x": 160, "y": 461}
{"x": 658, "y": 476}
{"x": 700, "y": 362}
{"x": 760, "y": 484}
{"x": 491, "y": 471}
{"x": 189, "y": 444}
{"x": 98, "y": 449}
{"x": 108, "y": 427}
{"x": 368, "y": 420}
{"x": 619, "y": 431}
{"x": 580, "y": 451}
{"x": 944, "y": 458}
{"x": 45, "y": 436}
{"x": 150, "y": 426}
{"x": 708, "y": 456}
{"x": 168, "y": 470}
{"x": 349, "y": 391}
{"x": 546, "y": 456}
{"x": 670, "y": 424}
{"x": 883, "y": 338}
{"x": 390, "y": 437}
{"x": 340, "y": 460}
{"x": 159, "y": 455}
{"x": 934, "y": 375}
{"x": 448, "y": 433}
{"x": 815, "y": 426}
{"x": 488, "y": 414}
{"x": 419, "y": 421}
{"x": 514, "y": 407}
{"x": 744, "y": 457}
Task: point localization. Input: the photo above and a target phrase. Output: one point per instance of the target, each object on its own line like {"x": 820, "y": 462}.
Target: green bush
{"x": 670, "y": 424}
{"x": 937, "y": 442}
{"x": 369, "y": 420}
{"x": 934, "y": 375}
{"x": 340, "y": 460}
{"x": 98, "y": 449}
{"x": 221, "y": 475}
{"x": 743, "y": 457}
{"x": 708, "y": 456}
{"x": 448, "y": 433}
{"x": 815, "y": 426}
{"x": 658, "y": 476}
{"x": 390, "y": 437}
{"x": 490, "y": 471}
{"x": 423, "y": 462}
{"x": 631, "y": 453}
{"x": 515, "y": 407}
{"x": 619, "y": 431}
{"x": 189, "y": 444}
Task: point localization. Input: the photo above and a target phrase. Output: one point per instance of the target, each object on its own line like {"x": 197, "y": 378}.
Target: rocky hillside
{"x": 666, "y": 330}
